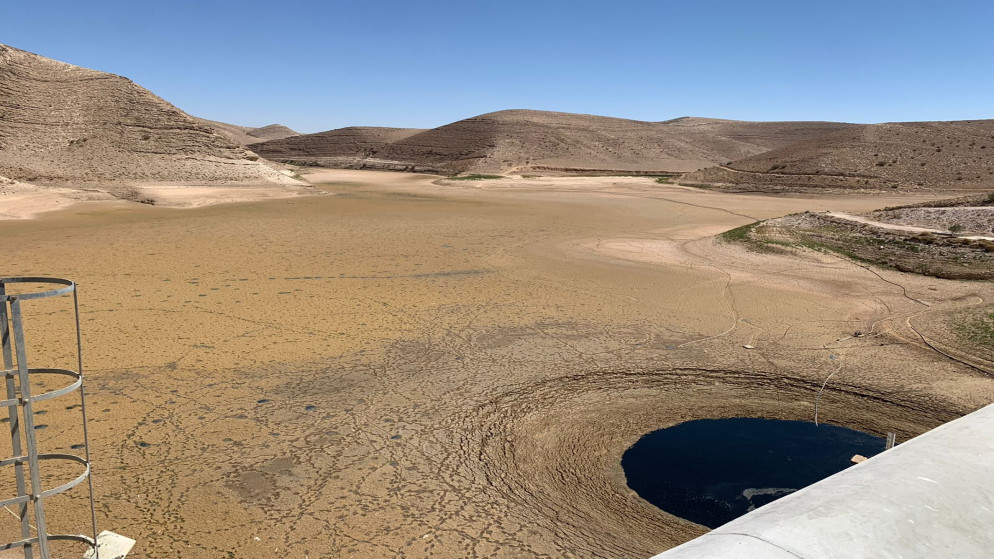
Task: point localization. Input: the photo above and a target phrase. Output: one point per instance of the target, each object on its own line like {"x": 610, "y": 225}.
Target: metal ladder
{"x": 29, "y": 502}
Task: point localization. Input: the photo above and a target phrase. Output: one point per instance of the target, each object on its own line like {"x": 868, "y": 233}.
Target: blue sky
{"x": 322, "y": 65}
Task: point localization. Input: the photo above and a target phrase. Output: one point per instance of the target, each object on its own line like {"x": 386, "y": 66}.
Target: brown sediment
{"x": 455, "y": 370}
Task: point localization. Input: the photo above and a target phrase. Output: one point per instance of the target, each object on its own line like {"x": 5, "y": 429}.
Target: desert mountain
{"x": 245, "y": 135}
{"x": 767, "y": 135}
{"x": 524, "y": 140}
{"x": 64, "y": 125}
{"x": 342, "y": 146}
{"x": 272, "y": 132}
{"x": 894, "y": 155}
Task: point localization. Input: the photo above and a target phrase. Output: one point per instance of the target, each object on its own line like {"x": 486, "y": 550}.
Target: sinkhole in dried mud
{"x": 711, "y": 471}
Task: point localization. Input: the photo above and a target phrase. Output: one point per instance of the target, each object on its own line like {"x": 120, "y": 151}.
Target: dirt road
{"x": 907, "y": 228}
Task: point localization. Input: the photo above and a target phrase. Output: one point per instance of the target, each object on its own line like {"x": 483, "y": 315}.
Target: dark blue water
{"x": 711, "y": 471}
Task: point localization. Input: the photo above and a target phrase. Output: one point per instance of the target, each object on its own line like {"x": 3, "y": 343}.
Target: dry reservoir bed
{"x": 414, "y": 370}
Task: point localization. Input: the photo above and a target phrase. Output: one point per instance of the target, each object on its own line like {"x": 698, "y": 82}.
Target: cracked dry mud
{"x": 413, "y": 370}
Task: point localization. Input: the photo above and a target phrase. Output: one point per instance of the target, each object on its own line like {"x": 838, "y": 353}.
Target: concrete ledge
{"x": 932, "y": 496}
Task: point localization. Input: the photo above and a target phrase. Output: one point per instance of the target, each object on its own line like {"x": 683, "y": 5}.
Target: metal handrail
{"x": 70, "y": 287}
{"x": 48, "y": 492}
{"x": 54, "y": 393}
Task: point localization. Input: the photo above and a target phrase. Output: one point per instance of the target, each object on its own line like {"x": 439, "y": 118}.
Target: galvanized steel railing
{"x": 31, "y": 495}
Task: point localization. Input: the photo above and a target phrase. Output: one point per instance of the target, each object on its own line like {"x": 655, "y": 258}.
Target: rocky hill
{"x": 344, "y": 147}
{"x": 245, "y": 135}
{"x": 63, "y": 125}
{"x": 906, "y": 155}
{"x": 767, "y": 135}
{"x": 540, "y": 141}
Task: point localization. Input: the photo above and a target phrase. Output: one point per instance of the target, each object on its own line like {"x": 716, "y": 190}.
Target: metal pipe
{"x": 13, "y": 414}
{"x": 29, "y": 425}
{"x": 86, "y": 430}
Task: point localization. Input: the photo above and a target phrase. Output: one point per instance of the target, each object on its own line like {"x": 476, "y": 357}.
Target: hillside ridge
{"x": 523, "y": 140}
{"x": 63, "y": 125}
{"x": 909, "y": 155}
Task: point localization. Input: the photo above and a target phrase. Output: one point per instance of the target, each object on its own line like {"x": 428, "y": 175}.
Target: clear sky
{"x": 321, "y": 65}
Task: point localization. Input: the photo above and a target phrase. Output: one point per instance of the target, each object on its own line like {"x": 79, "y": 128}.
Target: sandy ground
{"x": 25, "y": 201}
{"x": 195, "y": 196}
{"x": 409, "y": 369}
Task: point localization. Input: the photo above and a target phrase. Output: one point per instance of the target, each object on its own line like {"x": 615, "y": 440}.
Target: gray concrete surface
{"x": 932, "y": 496}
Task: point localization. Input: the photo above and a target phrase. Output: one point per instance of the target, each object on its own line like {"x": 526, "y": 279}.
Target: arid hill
{"x": 272, "y": 132}
{"x": 62, "y": 125}
{"x": 245, "y": 135}
{"x": 768, "y": 135}
{"x": 335, "y": 148}
{"x": 540, "y": 141}
{"x": 907, "y": 155}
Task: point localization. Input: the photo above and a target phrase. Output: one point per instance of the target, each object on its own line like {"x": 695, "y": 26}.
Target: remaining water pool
{"x": 710, "y": 471}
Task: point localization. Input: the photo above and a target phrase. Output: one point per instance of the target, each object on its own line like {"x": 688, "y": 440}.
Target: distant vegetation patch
{"x": 759, "y": 237}
{"x": 978, "y": 329}
{"x": 740, "y": 234}
{"x": 476, "y": 177}
{"x": 921, "y": 253}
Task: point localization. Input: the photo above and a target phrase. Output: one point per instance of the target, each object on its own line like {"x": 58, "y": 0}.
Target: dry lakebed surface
{"x": 410, "y": 367}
